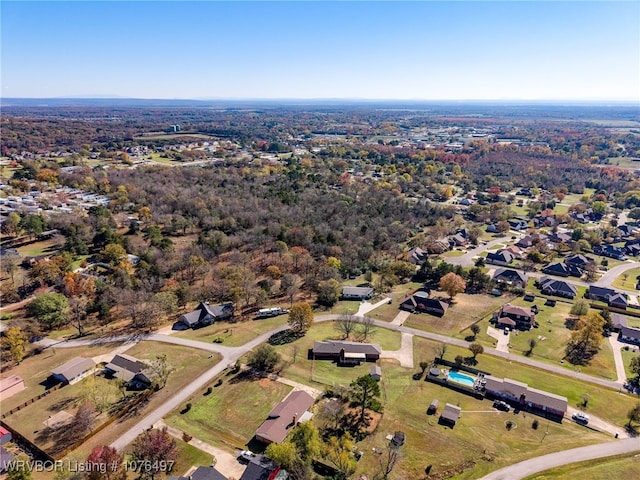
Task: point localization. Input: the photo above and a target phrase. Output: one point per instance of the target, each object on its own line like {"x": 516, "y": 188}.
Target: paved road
{"x": 553, "y": 460}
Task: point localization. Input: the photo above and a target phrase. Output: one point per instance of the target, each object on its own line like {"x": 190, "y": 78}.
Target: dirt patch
{"x": 58, "y": 420}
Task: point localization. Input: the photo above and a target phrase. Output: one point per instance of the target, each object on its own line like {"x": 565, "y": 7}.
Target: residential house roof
{"x": 510, "y": 276}
{"x": 630, "y": 332}
{"x": 74, "y": 367}
{"x": 417, "y": 255}
{"x": 204, "y": 310}
{"x": 5, "y": 459}
{"x": 600, "y": 292}
{"x": 516, "y": 390}
{"x": 420, "y": 300}
{"x": 502, "y": 256}
{"x": 579, "y": 259}
{"x": 125, "y": 366}
{"x": 284, "y": 416}
{"x": 507, "y": 308}
{"x": 263, "y": 468}
{"x": 334, "y": 347}
{"x": 550, "y": 400}
{"x": 357, "y": 291}
{"x": 207, "y": 473}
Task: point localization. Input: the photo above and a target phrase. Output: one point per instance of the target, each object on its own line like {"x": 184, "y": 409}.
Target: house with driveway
{"x": 284, "y": 416}
{"x": 558, "y": 288}
{"x": 629, "y": 335}
{"x": 357, "y": 293}
{"x": 204, "y": 315}
{"x": 501, "y": 257}
{"x": 513, "y": 316}
{"x": 520, "y": 395}
{"x": 345, "y": 352}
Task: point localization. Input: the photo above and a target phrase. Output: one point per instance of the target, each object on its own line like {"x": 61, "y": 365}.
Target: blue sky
{"x": 371, "y": 50}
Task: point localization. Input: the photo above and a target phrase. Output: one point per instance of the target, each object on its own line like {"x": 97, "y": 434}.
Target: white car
{"x": 580, "y": 417}
{"x": 247, "y": 454}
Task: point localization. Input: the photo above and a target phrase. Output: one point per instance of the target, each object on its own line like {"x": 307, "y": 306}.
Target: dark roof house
{"x": 510, "y": 277}
{"x": 629, "y": 335}
{"x": 205, "y": 314}
{"x": 263, "y": 468}
{"x": 528, "y": 398}
{"x": 558, "y": 288}
{"x": 421, "y": 302}
{"x": 284, "y": 416}
{"x": 501, "y": 257}
{"x": 514, "y": 316}
{"x": 346, "y": 352}
{"x": 417, "y": 255}
{"x": 125, "y": 367}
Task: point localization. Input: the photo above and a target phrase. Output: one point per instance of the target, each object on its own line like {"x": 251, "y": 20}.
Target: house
{"x": 632, "y": 249}
{"x": 517, "y": 252}
{"x": 531, "y": 240}
{"x": 607, "y": 295}
{"x": 516, "y": 317}
{"x": 626, "y": 230}
{"x": 125, "y": 367}
{"x": 562, "y": 270}
{"x": 416, "y": 256}
{"x": 560, "y": 237}
{"x": 284, "y": 416}
{"x": 629, "y": 335}
{"x": 450, "y": 415}
{"x": 357, "y": 293}
{"x": 519, "y": 393}
{"x": 610, "y": 251}
{"x": 501, "y": 257}
{"x": 263, "y": 468}
{"x": 73, "y": 370}
{"x": 10, "y": 386}
{"x": 375, "y": 372}
{"x": 202, "y": 473}
{"x": 529, "y": 297}
{"x": 5, "y": 435}
{"x": 579, "y": 260}
{"x": 518, "y": 224}
{"x": 558, "y": 288}
{"x": 458, "y": 240}
{"x": 205, "y": 315}
{"x": 346, "y": 352}
{"x": 492, "y": 228}
{"x": 421, "y": 302}
{"x": 510, "y": 277}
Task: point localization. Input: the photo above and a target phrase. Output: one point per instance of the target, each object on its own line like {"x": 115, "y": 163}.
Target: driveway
{"x": 401, "y": 317}
{"x": 366, "y": 307}
{"x": 503, "y": 340}
{"x": 405, "y": 354}
{"x": 596, "y": 423}
{"x": 617, "y": 356}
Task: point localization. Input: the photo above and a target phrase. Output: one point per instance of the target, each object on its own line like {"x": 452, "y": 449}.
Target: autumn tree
{"x": 329, "y": 292}
{"x": 585, "y": 340}
{"x": 283, "y": 453}
{"x": 113, "y": 254}
{"x": 106, "y": 464}
{"x": 452, "y": 284}
{"x": 339, "y": 452}
{"x": 365, "y": 392}
{"x": 580, "y": 307}
{"x": 300, "y": 317}
{"x": 84, "y": 418}
{"x": 14, "y": 341}
{"x": 306, "y": 438}
{"x": 50, "y": 309}
{"x": 152, "y": 450}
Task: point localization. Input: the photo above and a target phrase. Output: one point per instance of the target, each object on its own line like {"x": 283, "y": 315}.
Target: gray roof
{"x": 74, "y": 367}
{"x": 357, "y": 291}
{"x": 125, "y": 366}
{"x": 510, "y": 275}
{"x": 630, "y": 332}
{"x": 330, "y": 347}
{"x": 221, "y": 311}
{"x": 451, "y": 412}
{"x": 207, "y": 473}
{"x": 516, "y": 389}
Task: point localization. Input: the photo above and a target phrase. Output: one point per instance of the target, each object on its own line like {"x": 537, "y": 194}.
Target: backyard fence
{"x": 32, "y": 400}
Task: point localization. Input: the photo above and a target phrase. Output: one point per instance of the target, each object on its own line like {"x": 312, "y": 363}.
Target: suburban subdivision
{"x": 265, "y": 291}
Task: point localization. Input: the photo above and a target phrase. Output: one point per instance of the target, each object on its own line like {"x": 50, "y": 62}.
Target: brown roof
{"x": 281, "y": 417}
{"x": 514, "y": 310}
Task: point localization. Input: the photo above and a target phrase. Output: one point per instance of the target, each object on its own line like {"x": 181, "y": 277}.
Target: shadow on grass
{"x": 284, "y": 337}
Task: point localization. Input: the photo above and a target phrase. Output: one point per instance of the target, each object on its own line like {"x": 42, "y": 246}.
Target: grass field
{"x": 624, "y": 466}
{"x": 188, "y": 456}
{"x": 627, "y": 355}
{"x": 234, "y": 334}
{"x": 230, "y": 415}
{"x": 49, "y": 246}
{"x": 627, "y": 280}
{"x": 605, "y": 403}
{"x": 465, "y": 311}
{"x": 479, "y": 443}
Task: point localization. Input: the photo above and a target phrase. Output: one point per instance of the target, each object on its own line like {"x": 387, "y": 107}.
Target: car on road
{"x": 580, "y": 417}
{"x": 500, "y": 405}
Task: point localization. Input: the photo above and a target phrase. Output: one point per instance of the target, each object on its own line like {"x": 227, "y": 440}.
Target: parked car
{"x": 500, "y": 405}
{"x": 247, "y": 455}
{"x": 580, "y": 417}
{"x": 506, "y": 330}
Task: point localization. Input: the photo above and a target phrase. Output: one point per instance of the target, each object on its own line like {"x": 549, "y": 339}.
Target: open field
{"x": 627, "y": 280}
{"x": 43, "y": 247}
{"x": 479, "y": 443}
{"x": 465, "y": 311}
{"x": 234, "y": 334}
{"x": 230, "y": 415}
{"x": 623, "y": 466}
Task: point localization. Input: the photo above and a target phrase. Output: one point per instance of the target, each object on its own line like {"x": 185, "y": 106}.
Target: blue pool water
{"x": 462, "y": 378}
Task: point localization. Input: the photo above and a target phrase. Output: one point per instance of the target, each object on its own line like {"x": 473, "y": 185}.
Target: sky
{"x": 420, "y": 50}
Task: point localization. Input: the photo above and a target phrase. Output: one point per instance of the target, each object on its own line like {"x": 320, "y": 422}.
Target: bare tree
{"x": 367, "y": 327}
{"x": 84, "y": 418}
{"x": 441, "y": 350}
{"x": 388, "y": 461}
{"x": 346, "y": 325}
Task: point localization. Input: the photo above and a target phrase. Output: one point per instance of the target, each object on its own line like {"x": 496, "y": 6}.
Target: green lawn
{"x": 478, "y": 444}
{"x": 234, "y": 334}
{"x": 624, "y": 466}
{"x": 606, "y": 403}
{"x": 188, "y": 456}
{"x": 230, "y": 415}
{"x": 453, "y": 253}
{"x": 49, "y": 246}
{"x": 627, "y": 280}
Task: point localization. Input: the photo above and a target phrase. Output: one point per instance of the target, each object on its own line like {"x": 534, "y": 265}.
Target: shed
{"x": 375, "y": 372}
{"x": 433, "y": 407}
{"x": 450, "y": 415}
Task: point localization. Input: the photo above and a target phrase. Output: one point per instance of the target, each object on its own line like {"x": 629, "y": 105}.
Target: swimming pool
{"x": 462, "y": 378}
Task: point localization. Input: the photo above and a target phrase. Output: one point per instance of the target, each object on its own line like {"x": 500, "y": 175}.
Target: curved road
{"x": 552, "y": 460}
